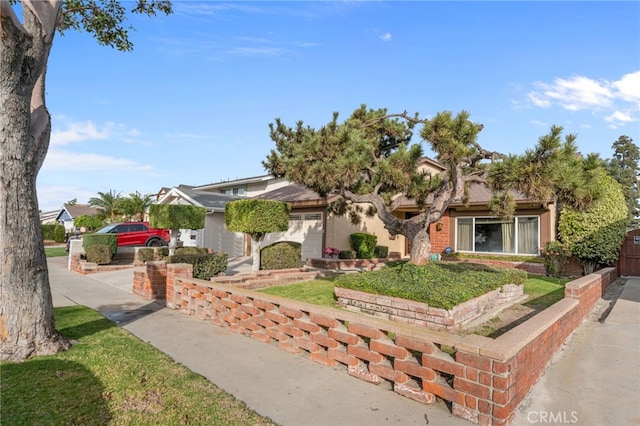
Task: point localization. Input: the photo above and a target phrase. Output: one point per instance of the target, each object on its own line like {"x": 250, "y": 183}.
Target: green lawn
{"x": 111, "y": 378}
{"x": 544, "y": 291}
{"x": 55, "y": 251}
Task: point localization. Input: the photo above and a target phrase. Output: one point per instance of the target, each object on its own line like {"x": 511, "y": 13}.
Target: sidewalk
{"x": 289, "y": 389}
{"x": 593, "y": 380}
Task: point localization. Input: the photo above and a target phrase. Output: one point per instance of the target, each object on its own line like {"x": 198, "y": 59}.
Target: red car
{"x": 137, "y": 234}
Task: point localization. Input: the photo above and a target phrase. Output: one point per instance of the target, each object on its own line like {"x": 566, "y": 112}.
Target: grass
{"x": 544, "y": 291}
{"x": 111, "y": 378}
{"x": 55, "y": 251}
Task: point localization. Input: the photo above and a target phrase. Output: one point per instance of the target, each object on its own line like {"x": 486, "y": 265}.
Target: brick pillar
{"x": 157, "y": 279}
{"x": 174, "y": 286}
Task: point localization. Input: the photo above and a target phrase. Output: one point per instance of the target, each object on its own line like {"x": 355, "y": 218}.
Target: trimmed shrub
{"x": 282, "y": 255}
{"x": 381, "y": 252}
{"x": 191, "y": 250}
{"x": 346, "y": 254}
{"x": 555, "y": 257}
{"x": 439, "y": 284}
{"x": 53, "y": 232}
{"x": 176, "y": 216}
{"x": 88, "y": 222}
{"x": 163, "y": 252}
{"x": 99, "y": 253}
{"x": 363, "y": 244}
{"x": 145, "y": 254}
{"x": 205, "y": 266}
{"x": 110, "y": 240}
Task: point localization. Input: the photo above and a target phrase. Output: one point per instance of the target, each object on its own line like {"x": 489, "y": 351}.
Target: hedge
{"x": 205, "y": 266}
{"x": 176, "y": 216}
{"x": 363, "y": 244}
{"x": 110, "y": 240}
{"x": 257, "y": 216}
{"x": 282, "y": 255}
{"x": 99, "y": 253}
{"x": 53, "y": 232}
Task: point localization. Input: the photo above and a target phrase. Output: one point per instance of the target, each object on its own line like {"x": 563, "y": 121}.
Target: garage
{"x": 304, "y": 228}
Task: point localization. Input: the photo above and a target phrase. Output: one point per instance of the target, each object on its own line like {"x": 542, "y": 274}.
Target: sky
{"x": 192, "y": 103}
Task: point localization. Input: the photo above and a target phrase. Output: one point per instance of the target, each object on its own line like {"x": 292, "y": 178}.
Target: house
{"x": 69, "y": 212}
{"x": 465, "y": 227}
{"x": 214, "y": 198}
{"x": 49, "y": 217}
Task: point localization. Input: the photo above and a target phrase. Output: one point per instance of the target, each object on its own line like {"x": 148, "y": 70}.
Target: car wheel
{"x": 154, "y": 242}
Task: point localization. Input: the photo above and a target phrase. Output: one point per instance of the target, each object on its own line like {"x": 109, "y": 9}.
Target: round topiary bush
{"x": 282, "y": 255}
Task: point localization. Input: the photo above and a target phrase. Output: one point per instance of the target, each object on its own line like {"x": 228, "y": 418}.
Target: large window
{"x": 519, "y": 235}
{"x": 238, "y": 190}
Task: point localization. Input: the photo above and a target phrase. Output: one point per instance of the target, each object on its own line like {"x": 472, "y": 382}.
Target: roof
{"x": 235, "y": 182}
{"x": 213, "y": 201}
{"x": 297, "y": 195}
{"x": 75, "y": 210}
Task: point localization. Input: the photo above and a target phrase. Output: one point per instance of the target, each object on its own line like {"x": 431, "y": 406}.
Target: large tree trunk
{"x": 255, "y": 252}
{"x": 420, "y": 247}
{"x": 27, "y": 326}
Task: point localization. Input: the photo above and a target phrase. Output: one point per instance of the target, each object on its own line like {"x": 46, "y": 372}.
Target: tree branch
{"x": 46, "y": 11}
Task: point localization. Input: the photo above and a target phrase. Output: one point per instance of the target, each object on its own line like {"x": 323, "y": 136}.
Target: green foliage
{"x": 257, "y": 217}
{"x": 624, "y": 167}
{"x": 363, "y": 244}
{"x": 163, "y": 251}
{"x": 346, "y": 254}
{"x": 98, "y": 253}
{"x": 107, "y": 202}
{"x": 191, "y": 250}
{"x": 381, "y": 252}
{"x": 53, "y": 232}
{"x": 595, "y": 235}
{"x": 145, "y": 254}
{"x": 106, "y": 19}
{"x": 176, "y": 216}
{"x": 552, "y": 170}
{"x": 555, "y": 257}
{"x": 507, "y": 258}
{"x": 282, "y": 255}
{"x": 135, "y": 205}
{"x": 439, "y": 284}
{"x": 110, "y": 240}
{"x": 205, "y": 266}
{"x": 90, "y": 222}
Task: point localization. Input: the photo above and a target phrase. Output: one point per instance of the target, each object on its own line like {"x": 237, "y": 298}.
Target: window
{"x": 238, "y": 190}
{"x": 519, "y": 235}
{"x": 313, "y": 216}
{"x": 295, "y": 217}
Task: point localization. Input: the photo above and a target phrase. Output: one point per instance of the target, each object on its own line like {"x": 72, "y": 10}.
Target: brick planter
{"x": 423, "y": 315}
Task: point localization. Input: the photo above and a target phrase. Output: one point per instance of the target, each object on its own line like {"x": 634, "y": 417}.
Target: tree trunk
{"x": 27, "y": 325}
{"x": 420, "y": 247}
{"x": 173, "y": 241}
{"x": 255, "y": 253}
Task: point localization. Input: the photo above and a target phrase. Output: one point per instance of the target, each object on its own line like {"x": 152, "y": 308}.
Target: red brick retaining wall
{"x": 485, "y": 381}
{"x": 423, "y": 315}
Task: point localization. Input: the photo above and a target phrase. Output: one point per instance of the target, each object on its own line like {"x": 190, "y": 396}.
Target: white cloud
{"x": 80, "y": 162}
{"x": 539, "y": 123}
{"x": 617, "y": 102}
{"x": 386, "y": 37}
{"x": 81, "y": 131}
{"x": 53, "y": 196}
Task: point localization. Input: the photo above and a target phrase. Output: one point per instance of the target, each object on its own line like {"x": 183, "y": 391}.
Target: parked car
{"x": 133, "y": 234}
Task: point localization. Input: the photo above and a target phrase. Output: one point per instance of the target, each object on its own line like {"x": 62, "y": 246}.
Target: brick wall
{"x": 440, "y": 239}
{"x": 423, "y": 315}
{"x": 150, "y": 281}
{"x": 484, "y": 381}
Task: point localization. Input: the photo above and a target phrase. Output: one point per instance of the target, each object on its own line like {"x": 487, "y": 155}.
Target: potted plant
{"x": 331, "y": 253}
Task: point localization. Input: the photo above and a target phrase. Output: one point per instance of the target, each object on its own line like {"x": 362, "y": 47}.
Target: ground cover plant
{"x": 438, "y": 284}
{"x": 55, "y": 251}
{"x": 111, "y": 377}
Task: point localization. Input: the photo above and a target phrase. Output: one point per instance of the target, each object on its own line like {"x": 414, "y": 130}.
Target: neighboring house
{"x": 49, "y": 217}
{"x": 214, "y": 198}
{"x": 71, "y": 211}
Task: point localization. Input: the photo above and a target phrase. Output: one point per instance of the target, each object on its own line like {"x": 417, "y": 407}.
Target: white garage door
{"x": 304, "y": 228}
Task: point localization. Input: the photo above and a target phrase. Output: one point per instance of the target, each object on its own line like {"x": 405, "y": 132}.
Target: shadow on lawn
{"x": 51, "y": 391}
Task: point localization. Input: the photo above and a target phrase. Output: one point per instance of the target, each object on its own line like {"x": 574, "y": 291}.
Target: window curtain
{"x": 528, "y": 235}
{"x": 508, "y": 237}
{"x": 465, "y": 232}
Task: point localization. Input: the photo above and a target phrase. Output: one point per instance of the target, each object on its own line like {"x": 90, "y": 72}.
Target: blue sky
{"x": 192, "y": 102}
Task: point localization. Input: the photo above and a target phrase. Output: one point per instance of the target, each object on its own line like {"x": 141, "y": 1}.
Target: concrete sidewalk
{"x": 289, "y": 389}
{"x": 595, "y": 378}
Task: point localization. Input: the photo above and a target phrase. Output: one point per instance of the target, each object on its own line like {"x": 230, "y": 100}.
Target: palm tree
{"x": 107, "y": 202}
{"x": 136, "y": 205}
